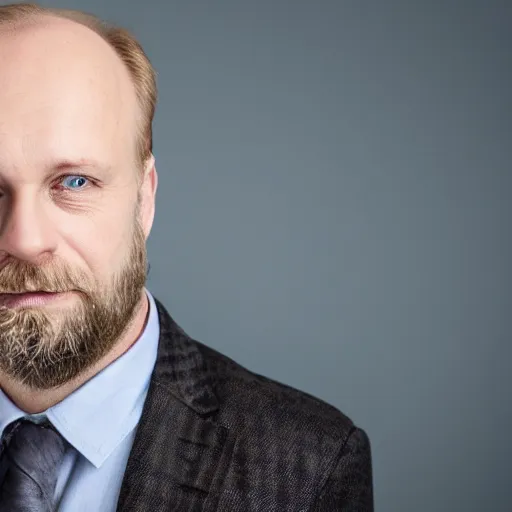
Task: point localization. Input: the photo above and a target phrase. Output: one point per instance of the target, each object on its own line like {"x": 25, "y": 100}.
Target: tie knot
{"x": 22, "y": 423}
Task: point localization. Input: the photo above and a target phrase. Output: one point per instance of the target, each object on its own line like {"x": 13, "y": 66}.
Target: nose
{"x": 26, "y": 232}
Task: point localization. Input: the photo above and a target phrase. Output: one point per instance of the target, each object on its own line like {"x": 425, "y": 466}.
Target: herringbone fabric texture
{"x": 33, "y": 455}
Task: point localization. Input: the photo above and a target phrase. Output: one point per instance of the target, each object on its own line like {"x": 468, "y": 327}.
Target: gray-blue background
{"x": 334, "y": 212}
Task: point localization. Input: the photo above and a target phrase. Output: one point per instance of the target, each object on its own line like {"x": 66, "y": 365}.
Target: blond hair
{"x": 125, "y": 45}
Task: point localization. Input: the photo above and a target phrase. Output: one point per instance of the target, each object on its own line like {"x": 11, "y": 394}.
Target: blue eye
{"x": 74, "y": 182}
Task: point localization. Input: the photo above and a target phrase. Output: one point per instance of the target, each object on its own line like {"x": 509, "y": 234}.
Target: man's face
{"x": 73, "y": 217}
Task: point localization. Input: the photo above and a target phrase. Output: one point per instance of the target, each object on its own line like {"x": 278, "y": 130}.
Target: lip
{"x": 30, "y": 299}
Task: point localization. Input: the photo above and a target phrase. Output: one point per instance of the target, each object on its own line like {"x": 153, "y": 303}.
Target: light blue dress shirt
{"x": 99, "y": 420}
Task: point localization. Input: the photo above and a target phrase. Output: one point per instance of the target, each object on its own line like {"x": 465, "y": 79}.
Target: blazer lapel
{"x": 178, "y": 453}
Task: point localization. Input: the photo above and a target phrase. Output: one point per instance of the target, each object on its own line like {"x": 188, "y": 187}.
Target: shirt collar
{"x": 96, "y": 417}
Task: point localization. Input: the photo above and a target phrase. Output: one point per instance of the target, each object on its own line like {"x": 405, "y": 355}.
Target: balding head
{"x": 64, "y": 89}
{"x": 121, "y": 41}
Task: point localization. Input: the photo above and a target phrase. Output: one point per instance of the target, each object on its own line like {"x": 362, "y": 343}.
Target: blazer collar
{"x": 181, "y": 368}
{"x": 179, "y": 448}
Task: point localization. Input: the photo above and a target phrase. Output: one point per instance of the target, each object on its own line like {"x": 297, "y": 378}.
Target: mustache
{"x": 22, "y": 277}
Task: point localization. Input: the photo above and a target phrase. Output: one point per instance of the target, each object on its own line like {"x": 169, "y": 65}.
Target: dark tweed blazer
{"x": 215, "y": 437}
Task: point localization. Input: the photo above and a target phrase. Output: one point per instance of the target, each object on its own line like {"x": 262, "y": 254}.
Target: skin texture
{"x": 68, "y": 110}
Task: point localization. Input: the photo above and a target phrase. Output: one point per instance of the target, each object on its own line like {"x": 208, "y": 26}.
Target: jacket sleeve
{"x": 349, "y": 487}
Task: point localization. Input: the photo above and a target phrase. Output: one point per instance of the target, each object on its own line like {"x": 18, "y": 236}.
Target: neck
{"x": 35, "y": 401}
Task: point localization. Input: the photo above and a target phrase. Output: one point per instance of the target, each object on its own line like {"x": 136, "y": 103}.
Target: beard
{"x": 44, "y": 349}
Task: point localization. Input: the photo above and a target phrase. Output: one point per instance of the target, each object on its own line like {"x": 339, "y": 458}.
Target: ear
{"x": 147, "y": 193}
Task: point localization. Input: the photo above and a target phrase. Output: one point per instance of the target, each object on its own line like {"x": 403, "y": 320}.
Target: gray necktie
{"x": 32, "y": 454}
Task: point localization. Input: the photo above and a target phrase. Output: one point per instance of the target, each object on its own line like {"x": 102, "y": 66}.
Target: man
{"x": 105, "y": 403}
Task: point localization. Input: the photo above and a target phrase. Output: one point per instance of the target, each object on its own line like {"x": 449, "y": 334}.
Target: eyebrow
{"x": 72, "y": 165}
{"x": 81, "y": 163}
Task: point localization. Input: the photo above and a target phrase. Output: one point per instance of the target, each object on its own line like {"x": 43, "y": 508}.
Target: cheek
{"x": 101, "y": 244}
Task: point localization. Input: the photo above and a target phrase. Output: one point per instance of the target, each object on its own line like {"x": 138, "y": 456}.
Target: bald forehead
{"x": 57, "y": 74}
{"x": 60, "y": 44}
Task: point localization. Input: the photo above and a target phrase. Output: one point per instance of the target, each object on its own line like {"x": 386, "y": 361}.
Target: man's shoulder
{"x": 270, "y": 445}
{"x": 247, "y": 398}
{"x": 242, "y": 399}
